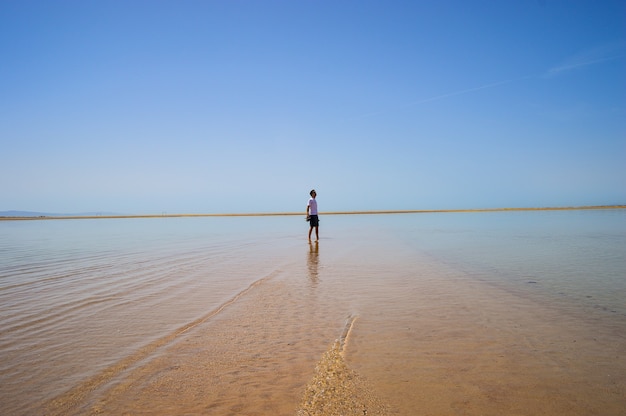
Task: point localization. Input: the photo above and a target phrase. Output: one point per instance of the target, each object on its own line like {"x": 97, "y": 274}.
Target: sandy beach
{"x": 347, "y": 326}
{"x": 453, "y": 347}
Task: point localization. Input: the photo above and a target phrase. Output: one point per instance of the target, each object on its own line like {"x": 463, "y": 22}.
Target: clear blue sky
{"x": 244, "y": 106}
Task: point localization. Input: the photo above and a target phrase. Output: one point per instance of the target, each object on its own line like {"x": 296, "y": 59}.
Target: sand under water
{"x": 338, "y": 390}
{"x": 346, "y": 326}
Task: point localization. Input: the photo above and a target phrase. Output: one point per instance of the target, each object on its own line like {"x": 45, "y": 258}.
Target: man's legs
{"x": 314, "y": 223}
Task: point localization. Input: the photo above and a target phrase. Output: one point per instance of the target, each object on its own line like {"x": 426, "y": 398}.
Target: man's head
{"x": 313, "y": 193}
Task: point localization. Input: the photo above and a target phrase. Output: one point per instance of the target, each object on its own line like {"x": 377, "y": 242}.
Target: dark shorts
{"x": 314, "y": 221}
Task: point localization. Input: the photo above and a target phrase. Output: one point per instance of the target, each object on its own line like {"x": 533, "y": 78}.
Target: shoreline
{"x": 277, "y": 214}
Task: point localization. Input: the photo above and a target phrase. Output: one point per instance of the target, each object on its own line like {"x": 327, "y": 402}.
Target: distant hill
{"x": 26, "y": 214}
{"x": 49, "y": 214}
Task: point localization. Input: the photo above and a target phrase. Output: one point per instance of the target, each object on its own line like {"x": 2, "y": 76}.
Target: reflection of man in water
{"x": 313, "y": 261}
{"x": 311, "y": 215}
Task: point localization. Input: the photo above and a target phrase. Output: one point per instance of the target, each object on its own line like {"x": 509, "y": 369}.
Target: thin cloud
{"x": 568, "y": 67}
{"x": 605, "y": 53}
{"x": 461, "y": 92}
{"x": 439, "y": 97}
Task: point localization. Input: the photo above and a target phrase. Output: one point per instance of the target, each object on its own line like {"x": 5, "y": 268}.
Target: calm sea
{"x": 445, "y": 313}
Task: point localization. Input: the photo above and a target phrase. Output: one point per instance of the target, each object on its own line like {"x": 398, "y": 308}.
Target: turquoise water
{"x": 79, "y": 296}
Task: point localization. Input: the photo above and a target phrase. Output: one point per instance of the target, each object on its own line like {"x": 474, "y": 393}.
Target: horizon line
{"x": 269, "y": 214}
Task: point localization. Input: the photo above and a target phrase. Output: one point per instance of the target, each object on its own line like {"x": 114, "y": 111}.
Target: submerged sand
{"x": 187, "y": 318}
{"x": 338, "y": 390}
{"x": 414, "y": 337}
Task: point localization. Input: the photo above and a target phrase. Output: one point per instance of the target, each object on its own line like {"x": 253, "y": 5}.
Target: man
{"x": 311, "y": 215}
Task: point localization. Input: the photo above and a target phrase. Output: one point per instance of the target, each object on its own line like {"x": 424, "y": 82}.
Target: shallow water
{"x": 477, "y": 313}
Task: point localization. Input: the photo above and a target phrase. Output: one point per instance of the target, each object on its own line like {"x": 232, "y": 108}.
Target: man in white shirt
{"x": 311, "y": 215}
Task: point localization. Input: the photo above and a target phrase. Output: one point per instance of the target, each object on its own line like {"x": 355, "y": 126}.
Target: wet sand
{"x": 372, "y": 331}
{"x": 466, "y": 347}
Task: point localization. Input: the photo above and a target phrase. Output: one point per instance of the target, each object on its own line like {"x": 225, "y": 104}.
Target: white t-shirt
{"x": 312, "y": 206}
